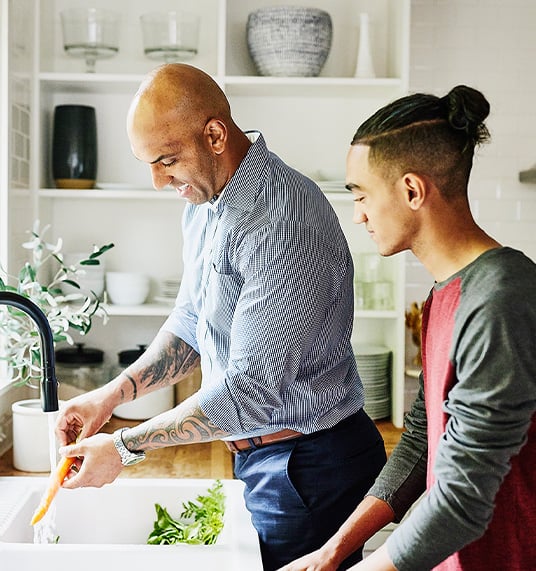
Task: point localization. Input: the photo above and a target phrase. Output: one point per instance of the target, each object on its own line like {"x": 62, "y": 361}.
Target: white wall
{"x": 489, "y": 45}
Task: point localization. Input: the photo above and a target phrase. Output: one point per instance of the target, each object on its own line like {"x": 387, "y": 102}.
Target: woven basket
{"x": 289, "y": 40}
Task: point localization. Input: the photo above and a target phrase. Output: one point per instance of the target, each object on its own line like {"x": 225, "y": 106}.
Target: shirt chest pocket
{"x": 222, "y": 293}
{"x": 221, "y": 263}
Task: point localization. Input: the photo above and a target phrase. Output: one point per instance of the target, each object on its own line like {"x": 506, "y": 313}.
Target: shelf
{"x": 90, "y": 82}
{"x": 99, "y": 194}
{"x": 164, "y": 309}
{"x": 146, "y": 194}
{"x": 304, "y": 86}
{"x": 145, "y": 310}
{"x": 376, "y": 314}
{"x": 343, "y": 196}
{"x": 233, "y": 85}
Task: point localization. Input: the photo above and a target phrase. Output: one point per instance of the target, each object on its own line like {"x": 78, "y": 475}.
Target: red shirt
{"x": 509, "y": 542}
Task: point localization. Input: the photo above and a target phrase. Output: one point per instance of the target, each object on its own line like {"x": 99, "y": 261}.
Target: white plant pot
{"x": 31, "y": 448}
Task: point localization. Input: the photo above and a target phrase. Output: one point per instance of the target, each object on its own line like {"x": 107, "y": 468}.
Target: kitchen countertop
{"x": 206, "y": 460}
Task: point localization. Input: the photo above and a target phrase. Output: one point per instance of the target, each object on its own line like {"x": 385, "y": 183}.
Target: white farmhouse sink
{"x": 107, "y": 528}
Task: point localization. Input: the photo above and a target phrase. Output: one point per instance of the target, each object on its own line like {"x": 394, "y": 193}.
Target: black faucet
{"x": 49, "y": 382}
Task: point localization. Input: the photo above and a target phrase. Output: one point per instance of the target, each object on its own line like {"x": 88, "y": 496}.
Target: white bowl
{"x": 127, "y": 288}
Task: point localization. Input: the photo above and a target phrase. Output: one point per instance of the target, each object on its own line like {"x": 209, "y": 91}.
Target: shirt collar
{"x": 216, "y": 199}
{"x": 242, "y": 189}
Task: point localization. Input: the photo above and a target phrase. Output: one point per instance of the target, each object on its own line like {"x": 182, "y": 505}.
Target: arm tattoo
{"x": 134, "y": 386}
{"x": 177, "y": 358}
{"x": 185, "y": 424}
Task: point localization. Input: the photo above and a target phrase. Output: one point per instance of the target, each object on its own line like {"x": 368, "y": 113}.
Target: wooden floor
{"x": 391, "y": 434}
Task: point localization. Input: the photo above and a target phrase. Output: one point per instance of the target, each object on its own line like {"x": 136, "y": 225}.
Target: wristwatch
{"x": 128, "y": 458}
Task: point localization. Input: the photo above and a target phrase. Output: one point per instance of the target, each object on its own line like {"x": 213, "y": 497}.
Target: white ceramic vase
{"x": 31, "y": 449}
{"x": 364, "y": 66}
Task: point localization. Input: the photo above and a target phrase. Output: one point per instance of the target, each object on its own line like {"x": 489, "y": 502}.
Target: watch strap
{"x": 128, "y": 457}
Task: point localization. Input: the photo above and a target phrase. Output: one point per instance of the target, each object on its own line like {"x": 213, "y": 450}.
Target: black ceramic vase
{"x": 74, "y": 146}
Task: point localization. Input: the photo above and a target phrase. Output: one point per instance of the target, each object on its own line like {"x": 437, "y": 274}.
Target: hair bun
{"x": 467, "y": 108}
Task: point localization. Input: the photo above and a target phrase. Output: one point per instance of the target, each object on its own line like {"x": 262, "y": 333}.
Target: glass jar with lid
{"x": 82, "y": 367}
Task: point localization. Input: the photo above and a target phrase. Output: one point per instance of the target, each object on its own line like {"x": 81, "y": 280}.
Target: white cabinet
{"x": 309, "y": 122}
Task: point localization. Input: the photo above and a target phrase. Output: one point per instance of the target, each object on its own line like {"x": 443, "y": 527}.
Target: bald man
{"x": 265, "y": 308}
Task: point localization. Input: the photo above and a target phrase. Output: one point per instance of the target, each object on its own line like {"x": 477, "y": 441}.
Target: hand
{"x": 319, "y": 561}
{"x": 314, "y": 561}
{"x": 379, "y": 560}
{"x": 98, "y": 462}
{"x": 83, "y": 416}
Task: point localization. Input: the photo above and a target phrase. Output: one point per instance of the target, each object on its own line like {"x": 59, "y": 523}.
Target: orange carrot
{"x": 54, "y": 484}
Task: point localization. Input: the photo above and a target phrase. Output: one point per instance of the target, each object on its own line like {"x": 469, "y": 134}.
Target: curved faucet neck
{"x": 49, "y": 383}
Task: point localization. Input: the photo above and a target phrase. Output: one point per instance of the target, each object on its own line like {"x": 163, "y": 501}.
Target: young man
{"x": 265, "y": 307}
{"x": 471, "y": 434}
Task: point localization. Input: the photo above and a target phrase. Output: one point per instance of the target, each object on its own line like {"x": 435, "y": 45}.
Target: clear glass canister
{"x": 82, "y": 367}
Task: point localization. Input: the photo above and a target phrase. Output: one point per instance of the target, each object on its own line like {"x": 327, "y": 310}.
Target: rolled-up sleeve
{"x": 182, "y": 321}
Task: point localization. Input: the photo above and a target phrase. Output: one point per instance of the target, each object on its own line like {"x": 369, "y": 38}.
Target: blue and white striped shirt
{"x": 266, "y": 300}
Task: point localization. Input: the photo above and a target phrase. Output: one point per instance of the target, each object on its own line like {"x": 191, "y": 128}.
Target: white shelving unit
{"x": 309, "y": 122}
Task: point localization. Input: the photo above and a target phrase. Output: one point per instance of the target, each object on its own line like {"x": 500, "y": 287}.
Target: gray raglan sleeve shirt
{"x": 489, "y": 410}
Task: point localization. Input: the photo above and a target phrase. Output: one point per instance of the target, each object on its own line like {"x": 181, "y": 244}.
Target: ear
{"x": 415, "y": 189}
{"x": 216, "y": 134}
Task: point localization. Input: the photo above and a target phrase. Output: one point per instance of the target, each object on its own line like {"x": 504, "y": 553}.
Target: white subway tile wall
{"x": 489, "y": 45}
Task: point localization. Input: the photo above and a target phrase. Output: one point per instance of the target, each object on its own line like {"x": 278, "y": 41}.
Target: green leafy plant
{"x": 74, "y": 311}
{"x": 200, "y": 521}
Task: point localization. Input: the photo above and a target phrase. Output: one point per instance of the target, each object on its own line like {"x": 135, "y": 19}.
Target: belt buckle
{"x": 253, "y": 442}
{"x": 232, "y": 446}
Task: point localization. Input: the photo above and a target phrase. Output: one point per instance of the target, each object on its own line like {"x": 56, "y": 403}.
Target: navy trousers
{"x": 300, "y": 491}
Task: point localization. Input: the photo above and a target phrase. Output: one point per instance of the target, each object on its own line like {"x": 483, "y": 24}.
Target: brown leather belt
{"x": 258, "y": 441}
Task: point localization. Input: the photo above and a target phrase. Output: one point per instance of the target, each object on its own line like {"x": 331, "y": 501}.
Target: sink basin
{"x": 108, "y": 527}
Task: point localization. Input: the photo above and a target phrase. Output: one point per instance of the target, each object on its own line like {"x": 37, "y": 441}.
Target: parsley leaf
{"x": 200, "y": 521}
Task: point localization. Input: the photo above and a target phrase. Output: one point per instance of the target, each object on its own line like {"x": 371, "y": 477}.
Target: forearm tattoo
{"x": 134, "y": 386}
{"x": 165, "y": 366}
{"x": 185, "y": 424}
{"x": 169, "y": 361}
{"x": 176, "y": 358}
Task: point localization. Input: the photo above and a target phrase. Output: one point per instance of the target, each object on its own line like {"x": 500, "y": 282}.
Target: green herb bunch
{"x": 75, "y": 311}
{"x": 200, "y": 521}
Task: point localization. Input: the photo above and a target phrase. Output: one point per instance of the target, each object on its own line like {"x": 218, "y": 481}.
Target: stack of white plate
{"x": 169, "y": 288}
{"x": 374, "y": 366}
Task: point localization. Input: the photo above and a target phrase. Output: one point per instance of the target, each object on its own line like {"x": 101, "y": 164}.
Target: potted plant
{"x": 66, "y": 312}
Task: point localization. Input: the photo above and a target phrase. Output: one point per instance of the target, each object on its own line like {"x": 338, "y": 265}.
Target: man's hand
{"x": 83, "y": 416}
{"x": 371, "y": 515}
{"x": 314, "y": 561}
{"x": 98, "y": 462}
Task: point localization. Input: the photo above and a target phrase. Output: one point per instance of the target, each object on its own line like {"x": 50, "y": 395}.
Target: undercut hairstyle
{"x": 428, "y": 135}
